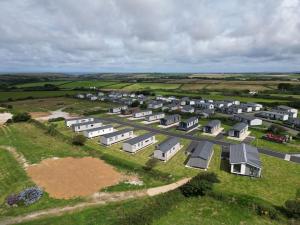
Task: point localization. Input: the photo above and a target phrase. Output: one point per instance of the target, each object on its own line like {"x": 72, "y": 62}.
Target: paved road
{"x": 223, "y": 143}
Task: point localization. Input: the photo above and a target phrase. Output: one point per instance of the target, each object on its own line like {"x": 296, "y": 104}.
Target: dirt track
{"x": 73, "y": 177}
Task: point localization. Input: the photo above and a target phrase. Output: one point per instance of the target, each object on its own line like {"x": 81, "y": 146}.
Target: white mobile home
{"x": 86, "y": 126}
{"x": 142, "y": 114}
{"x": 291, "y": 111}
{"x": 250, "y": 120}
{"x": 70, "y": 122}
{"x": 137, "y": 143}
{"x": 112, "y": 138}
{"x": 98, "y": 131}
{"x": 168, "y": 148}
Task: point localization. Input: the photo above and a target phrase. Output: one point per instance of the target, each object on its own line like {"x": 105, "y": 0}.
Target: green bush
{"x": 293, "y": 206}
{"x": 56, "y": 119}
{"x": 21, "y": 117}
{"x": 79, "y": 140}
{"x": 200, "y": 185}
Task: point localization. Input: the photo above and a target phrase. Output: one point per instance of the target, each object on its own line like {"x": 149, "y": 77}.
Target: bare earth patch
{"x": 69, "y": 177}
{"x": 36, "y": 115}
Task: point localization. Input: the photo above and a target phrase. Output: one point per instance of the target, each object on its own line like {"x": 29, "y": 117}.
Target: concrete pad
{"x": 193, "y": 129}
{"x": 150, "y": 122}
{"x": 109, "y": 113}
{"x": 124, "y": 116}
{"x": 165, "y": 127}
{"x": 136, "y": 118}
{"x": 4, "y": 117}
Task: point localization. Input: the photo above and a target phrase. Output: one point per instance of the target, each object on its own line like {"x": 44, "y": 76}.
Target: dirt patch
{"x": 73, "y": 177}
{"x": 36, "y": 115}
{"x": 4, "y": 117}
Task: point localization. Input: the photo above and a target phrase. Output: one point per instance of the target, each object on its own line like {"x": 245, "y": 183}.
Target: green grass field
{"x": 36, "y": 145}
{"x": 38, "y": 84}
{"x": 15, "y": 95}
{"x": 88, "y": 83}
{"x": 192, "y": 211}
{"x": 152, "y": 86}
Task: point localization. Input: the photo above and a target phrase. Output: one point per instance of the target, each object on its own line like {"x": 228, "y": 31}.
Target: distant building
{"x": 156, "y": 116}
{"x": 142, "y": 114}
{"x": 155, "y": 105}
{"x": 250, "y": 120}
{"x": 290, "y": 111}
{"x": 187, "y": 109}
{"x": 274, "y": 115}
{"x": 72, "y": 121}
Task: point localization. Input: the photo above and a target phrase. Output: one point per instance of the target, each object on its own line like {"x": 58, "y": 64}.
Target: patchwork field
{"x": 88, "y": 83}
{"x": 38, "y": 84}
{"x": 141, "y": 86}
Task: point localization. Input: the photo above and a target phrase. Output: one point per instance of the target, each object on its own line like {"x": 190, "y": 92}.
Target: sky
{"x": 149, "y": 36}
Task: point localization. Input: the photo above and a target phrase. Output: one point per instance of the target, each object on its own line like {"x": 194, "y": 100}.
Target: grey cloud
{"x": 152, "y": 35}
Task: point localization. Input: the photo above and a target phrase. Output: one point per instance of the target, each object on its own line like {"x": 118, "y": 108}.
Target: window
{"x": 237, "y": 168}
{"x": 163, "y": 154}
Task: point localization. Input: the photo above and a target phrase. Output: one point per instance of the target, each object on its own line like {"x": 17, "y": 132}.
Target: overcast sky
{"x": 150, "y": 35}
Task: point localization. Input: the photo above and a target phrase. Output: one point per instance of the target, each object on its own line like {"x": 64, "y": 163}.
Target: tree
{"x": 21, "y": 117}
{"x": 276, "y": 129}
{"x": 135, "y": 104}
{"x": 79, "y": 140}
{"x": 284, "y": 86}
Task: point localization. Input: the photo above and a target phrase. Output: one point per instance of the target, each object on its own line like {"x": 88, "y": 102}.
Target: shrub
{"x": 276, "y": 129}
{"x": 200, "y": 185}
{"x": 13, "y": 199}
{"x": 293, "y": 206}
{"x": 56, "y": 119}
{"x": 52, "y": 129}
{"x": 21, "y": 117}
{"x": 31, "y": 195}
{"x": 78, "y": 140}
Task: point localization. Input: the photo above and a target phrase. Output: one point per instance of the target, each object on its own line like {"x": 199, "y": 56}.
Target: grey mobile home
{"x": 86, "y": 126}
{"x": 137, "y": 143}
{"x": 154, "y": 117}
{"x": 212, "y": 126}
{"x": 250, "y": 120}
{"x": 112, "y": 138}
{"x": 244, "y": 160}
{"x": 168, "y": 148}
{"x": 169, "y": 120}
{"x": 201, "y": 155}
{"x": 188, "y": 124}
{"x": 238, "y": 130}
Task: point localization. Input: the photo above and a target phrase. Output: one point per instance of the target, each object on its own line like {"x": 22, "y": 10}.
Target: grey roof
{"x": 87, "y": 123}
{"x": 99, "y": 128}
{"x": 168, "y": 144}
{"x": 171, "y": 117}
{"x": 187, "y": 107}
{"x": 139, "y": 138}
{"x": 113, "y": 134}
{"x": 201, "y": 155}
{"x": 239, "y": 126}
{"x": 213, "y": 123}
{"x": 243, "y": 153}
{"x": 284, "y": 107}
{"x": 203, "y": 150}
{"x": 246, "y": 117}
